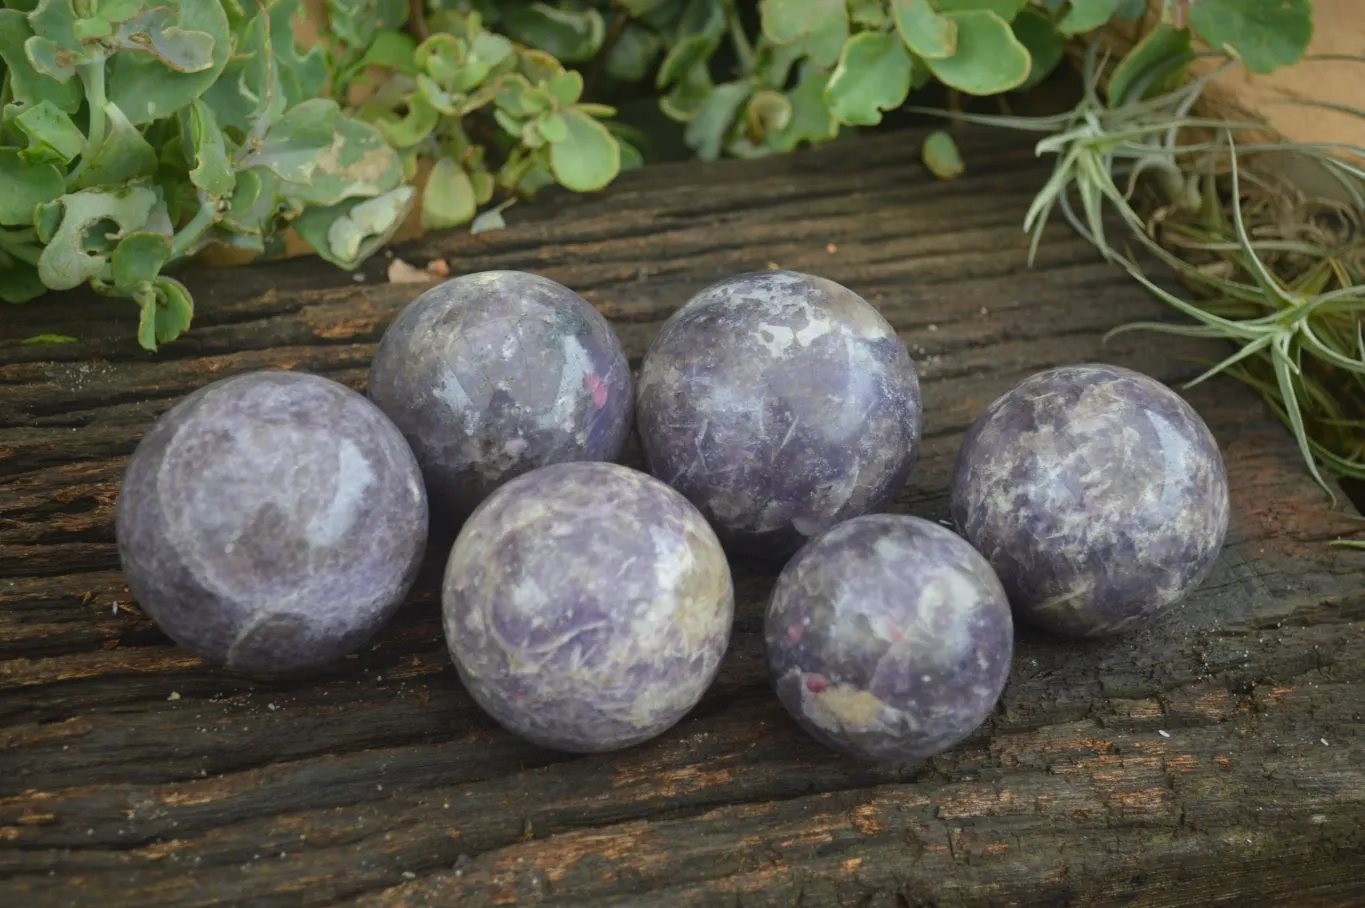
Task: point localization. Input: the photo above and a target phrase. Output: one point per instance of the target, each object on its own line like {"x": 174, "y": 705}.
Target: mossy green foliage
{"x": 134, "y": 133}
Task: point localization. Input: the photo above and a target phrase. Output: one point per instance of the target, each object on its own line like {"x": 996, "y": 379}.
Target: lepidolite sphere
{"x": 271, "y": 522}
{"x": 780, "y": 404}
{"x": 889, "y": 638}
{"x": 1097, "y": 493}
{"x": 587, "y": 606}
{"x": 492, "y": 374}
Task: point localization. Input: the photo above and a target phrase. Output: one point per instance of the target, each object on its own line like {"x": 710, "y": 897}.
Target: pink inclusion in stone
{"x": 598, "y": 389}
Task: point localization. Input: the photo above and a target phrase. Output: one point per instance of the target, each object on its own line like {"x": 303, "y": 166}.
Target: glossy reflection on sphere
{"x": 780, "y": 404}
{"x": 492, "y": 374}
{"x": 889, "y": 638}
{"x": 1097, "y": 493}
{"x": 587, "y": 606}
{"x": 271, "y": 522}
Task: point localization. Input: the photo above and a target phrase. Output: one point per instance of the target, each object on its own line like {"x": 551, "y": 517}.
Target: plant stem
{"x": 92, "y": 74}
{"x": 188, "y": 235}
{"x": 743, "y": 49}
{"x": 417, "y": 21}
{"x": 599, "y": 62}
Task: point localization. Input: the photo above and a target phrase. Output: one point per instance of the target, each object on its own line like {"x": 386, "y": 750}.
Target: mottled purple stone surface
{"x": 780, "y": 404}
{"x": 889, "y": 638}
{"x": 1097, "y": 493}
{"x": 271, "y": 522}
{"x": 492, "y": 374}
{"x": 587, "y": 606}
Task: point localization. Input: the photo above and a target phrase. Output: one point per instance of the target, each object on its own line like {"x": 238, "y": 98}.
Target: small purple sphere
{"x": 780, "y": 404}
{"x": 271, "y": 522}
{"x": 1098, "y": 495}
{"x": 889, "y": 638}
{"x": 490, "y": 375}
{"x": 587, "y": 606}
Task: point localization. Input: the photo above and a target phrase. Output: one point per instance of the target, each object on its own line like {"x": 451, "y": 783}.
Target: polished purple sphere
{"x": 780, "y": 404}
{"x": 1098, "y": 495}
{"x": 271, "y": 522}
{"x": 587, "y": 606}
{"x": 889, "y": 638}
{"x": 490, "y": 375}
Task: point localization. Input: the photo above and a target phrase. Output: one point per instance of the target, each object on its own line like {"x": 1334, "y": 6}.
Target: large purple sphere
{"x": 889, "y": 638}
{"x": 271, "y": 522}
{"x": 587, "y": 606}
{"x": 1097, "y": 493}
{"x": 780, "y": 404}
{"x": 493, "y": 374}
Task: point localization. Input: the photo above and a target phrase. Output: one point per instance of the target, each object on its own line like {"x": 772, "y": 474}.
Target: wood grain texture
{"x": 1216, "y": 757}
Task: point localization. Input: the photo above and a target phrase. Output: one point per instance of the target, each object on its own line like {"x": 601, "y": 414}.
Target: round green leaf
{"x": 873, "y": 75}
{"x": 821, "y": 26}
{"x": 440, "y": 56}
{"x": 139, "y": 258}
{"x": 482, "y": 181}
{"x": 698, "y": 17}
{"x": 56, "y": 21}
{"x": 572, "y": 36}
{"x": 212, "y": 171}
{"x": 588, "y": 158}
{"x": 294, "y": 145}
{"x": 633, "y": 53}
{"x": 50, "y": 133}
{"x": 785, "y": 21}
{"x": 448, "y": 199}
{"x": 74, "y": 253}
{"x": 941, "y": 156}
{"x": 923, "y": 30}
{"x": 51, "y": 59}
{"x": 357, "y": 21}
{"x": 392, "y": 50}
{"x": 1005, "y": 9}
{"x": 155, "y": 32}
{"x": 19, "y": 281}
{"x": 166, "y": 311}
{"x": 768, "y": 111}
{"x": 566, "y": 87}
{"x": 631, "y": 158}
{"x": 707, "y": 131}
{"x": 1087, "y": 15}
{"x": 123, "y": 154}
{"x": 357, "y": 164}
{"x": 28, "y": 184}
{"x": 348, "y": 233}
{"x": 1265, "y": 35}
{"x": 146, "y": 89}
{"x": 419, "y": 122}
{"x": 536, "y": 65}
{"x": 24, "y": 82}
{"x": 302, "y": 75}
{"x": 119, "y": 10}
{"x": 1036, "y": 32}
{"x": 683, "y": 57}
{"x": 686, "y": 97}
{"x": 553, "y": 128}
{"x": 867, "y": 12}
{"x": 810, "y": 119}
{"x": 989, "y": 58}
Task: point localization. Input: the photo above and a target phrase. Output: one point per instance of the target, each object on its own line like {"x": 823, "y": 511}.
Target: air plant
{"x": 1291, "y": 299}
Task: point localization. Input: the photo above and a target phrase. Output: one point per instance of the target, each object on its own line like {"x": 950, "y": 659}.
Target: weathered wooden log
{"x": 1212, "y": 758}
